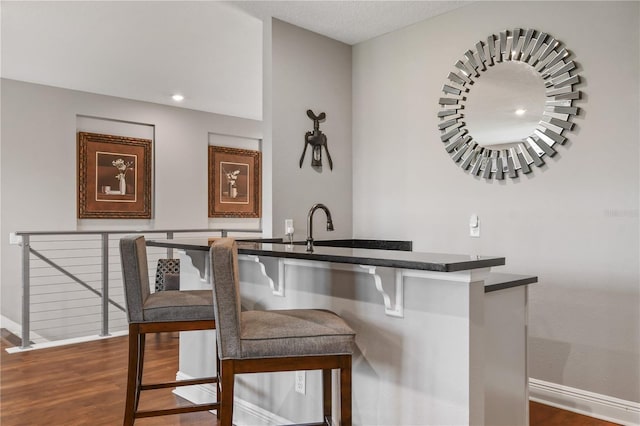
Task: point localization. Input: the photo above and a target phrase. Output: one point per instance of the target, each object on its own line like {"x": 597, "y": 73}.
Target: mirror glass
{"x": 506, "y": 104}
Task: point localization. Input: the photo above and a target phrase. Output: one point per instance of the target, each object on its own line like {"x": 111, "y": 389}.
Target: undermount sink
{"x": 350, "y": 243}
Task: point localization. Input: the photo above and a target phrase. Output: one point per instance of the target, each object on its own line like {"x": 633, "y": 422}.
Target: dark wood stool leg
{"x": 140, "y": 367}
{"x": 345, "y": 394}
{"x": 326, "y": 396}
{"x": 218, "y": 396}
{"x": 132, "y": 374}
{"x": 225, "y": 412}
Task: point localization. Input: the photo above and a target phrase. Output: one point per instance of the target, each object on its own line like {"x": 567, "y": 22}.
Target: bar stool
{"x": 162, "y": 311}
{"x": 278, "y": 340}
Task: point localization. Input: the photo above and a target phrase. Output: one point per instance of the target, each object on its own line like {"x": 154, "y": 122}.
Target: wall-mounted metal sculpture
{"x": 317, "y": 140}
{"x": 537, "y": 54}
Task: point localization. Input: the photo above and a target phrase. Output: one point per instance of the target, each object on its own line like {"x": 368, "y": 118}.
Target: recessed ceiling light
{"x": 520, "y": 111}
{"x": 177, "y": 97}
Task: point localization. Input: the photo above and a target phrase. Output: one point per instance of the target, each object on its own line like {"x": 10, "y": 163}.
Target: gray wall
{"x": 574, "y": 223}
{"x": 302, "y": 70}
{"x": 39, "y": 125}
{"x": 310, "y": 71}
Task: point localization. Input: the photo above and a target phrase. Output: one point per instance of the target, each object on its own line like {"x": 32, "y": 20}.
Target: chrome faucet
{"x": 310, "y": 223}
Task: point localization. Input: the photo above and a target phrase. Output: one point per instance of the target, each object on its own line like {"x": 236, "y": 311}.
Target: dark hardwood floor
{"x": 84, "y": 384}
{"x": 540, "y": 414}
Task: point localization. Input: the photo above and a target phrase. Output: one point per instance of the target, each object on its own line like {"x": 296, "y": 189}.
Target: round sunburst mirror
{"x": 508, "y": 104}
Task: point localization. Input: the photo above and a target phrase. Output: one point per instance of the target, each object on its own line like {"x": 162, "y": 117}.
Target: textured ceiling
{"x": 351, "y": 22}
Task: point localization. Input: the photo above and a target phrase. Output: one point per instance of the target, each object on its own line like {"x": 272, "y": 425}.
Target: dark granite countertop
{"x": 438, "y": 262}
{"x": 501, "y": 281}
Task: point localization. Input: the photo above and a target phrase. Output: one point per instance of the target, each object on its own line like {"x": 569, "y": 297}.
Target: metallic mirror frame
{"x": 545, "y": 54}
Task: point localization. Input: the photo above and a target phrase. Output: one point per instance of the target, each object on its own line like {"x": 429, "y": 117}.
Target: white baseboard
{"x": 584, "y": 402}
{"x": 16, "y": 329}
{"x": 244, "y": 412}
{"x": 12, "y": 326}
{"x": 39, "y": 342}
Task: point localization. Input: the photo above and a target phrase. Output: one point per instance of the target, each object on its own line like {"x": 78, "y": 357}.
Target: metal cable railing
{"x": 72, "y": 281}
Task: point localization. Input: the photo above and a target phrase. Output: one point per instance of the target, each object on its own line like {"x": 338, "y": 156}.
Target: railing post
{"x": 170, "y": 250}
{"x": 105, "y": 285}
{"x": 26, "y": 293}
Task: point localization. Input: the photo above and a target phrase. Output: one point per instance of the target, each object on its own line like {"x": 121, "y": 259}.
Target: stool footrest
{"x": 178, "y": 383}
{"x": 312, "y": 424}
{"x": 178, "y": 410}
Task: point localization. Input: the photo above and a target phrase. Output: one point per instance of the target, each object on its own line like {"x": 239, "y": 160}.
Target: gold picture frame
{"x": 114, "y": 177}
{"x": 235, "y": 182}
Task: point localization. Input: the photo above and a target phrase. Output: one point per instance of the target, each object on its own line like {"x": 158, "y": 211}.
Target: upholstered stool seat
{"x": 271, "y": 341}
{"x": 171, "y": 305}
{"x": 162, "y": 311}
{"x": 294, "y": 333}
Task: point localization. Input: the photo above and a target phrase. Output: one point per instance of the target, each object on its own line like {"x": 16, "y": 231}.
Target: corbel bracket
{"x": 393, "y": 303}
{"x": 277, "y": 290}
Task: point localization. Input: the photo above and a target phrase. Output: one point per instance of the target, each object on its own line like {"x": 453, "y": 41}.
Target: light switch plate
{"x": 474, "y": 226}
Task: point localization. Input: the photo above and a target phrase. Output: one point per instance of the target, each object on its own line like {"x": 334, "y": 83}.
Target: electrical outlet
{"x": 288, "y": 227}
{"x": 301, "y": 379}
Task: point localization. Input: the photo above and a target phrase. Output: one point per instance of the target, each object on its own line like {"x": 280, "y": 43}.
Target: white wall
{"x": 310, "y": 71}
{"x": 573, "y": 223}
{"x": 39, "y": 191}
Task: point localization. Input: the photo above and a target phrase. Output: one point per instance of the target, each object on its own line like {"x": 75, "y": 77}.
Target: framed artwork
{"x": 235, "y": 182}
{"x": 114, "y": 177}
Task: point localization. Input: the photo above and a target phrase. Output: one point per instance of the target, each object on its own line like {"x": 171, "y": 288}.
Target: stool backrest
{"x": 135, "y": 275}
{"x": 226, "y": 296}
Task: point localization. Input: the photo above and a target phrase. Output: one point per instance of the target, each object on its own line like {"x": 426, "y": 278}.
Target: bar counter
{"x": 441, "y": 338}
